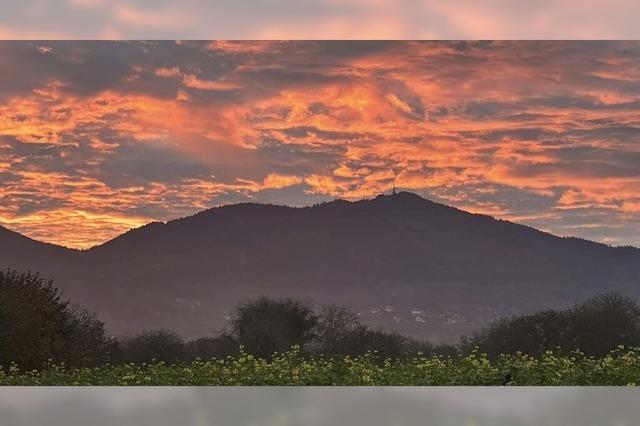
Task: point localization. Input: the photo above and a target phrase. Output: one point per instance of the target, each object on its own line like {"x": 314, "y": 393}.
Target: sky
{"x": 100, "y": 137}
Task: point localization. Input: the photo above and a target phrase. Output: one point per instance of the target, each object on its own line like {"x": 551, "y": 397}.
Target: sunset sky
{"x": 100, "y": 137}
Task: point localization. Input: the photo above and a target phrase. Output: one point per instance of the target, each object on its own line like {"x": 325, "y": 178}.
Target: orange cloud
{"x": 543, "y": 132}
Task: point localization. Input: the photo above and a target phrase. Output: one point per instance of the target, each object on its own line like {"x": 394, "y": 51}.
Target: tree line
{"x": 38, "y": 328}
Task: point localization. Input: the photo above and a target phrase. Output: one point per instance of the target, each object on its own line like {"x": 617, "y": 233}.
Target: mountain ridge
{"x": 337, "y": 200}
{"x": 392, "y": 255}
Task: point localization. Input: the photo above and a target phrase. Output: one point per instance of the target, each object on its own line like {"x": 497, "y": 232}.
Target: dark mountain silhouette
{"x": 403, "y": 262}
{"x": 23, "y": 253}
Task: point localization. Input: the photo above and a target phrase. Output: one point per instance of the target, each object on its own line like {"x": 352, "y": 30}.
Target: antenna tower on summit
{"x": 396, "y": 172}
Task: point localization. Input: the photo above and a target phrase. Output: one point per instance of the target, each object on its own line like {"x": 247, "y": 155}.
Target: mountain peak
{"x": 402, "y": 195}
{"x": 404, "y": 198}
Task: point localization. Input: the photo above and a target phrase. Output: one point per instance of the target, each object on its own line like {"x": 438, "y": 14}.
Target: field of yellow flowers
{"x": 620, "y": 367}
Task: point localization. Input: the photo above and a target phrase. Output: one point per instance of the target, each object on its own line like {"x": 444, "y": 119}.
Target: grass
{"x": 620, "y": 367}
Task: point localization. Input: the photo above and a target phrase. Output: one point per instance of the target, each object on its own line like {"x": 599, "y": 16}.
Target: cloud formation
{"x": 99, "y": 137}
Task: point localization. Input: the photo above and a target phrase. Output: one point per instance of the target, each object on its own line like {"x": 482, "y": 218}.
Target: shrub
{"x": 603, "y": 322}
{"x": 207, "y": 348}
{"x": 265, "y": 326}
{"x": 595, "y": 327}
{"x": 531, "y": 334}
{"x": 155, "y": 345}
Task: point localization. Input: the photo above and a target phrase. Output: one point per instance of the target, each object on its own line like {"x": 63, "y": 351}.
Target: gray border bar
{"x": 319, "y": 19}
{"x": 310, "y": 406}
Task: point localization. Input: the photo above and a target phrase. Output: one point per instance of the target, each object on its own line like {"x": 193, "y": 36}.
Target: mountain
{"x": 23, "y": 253}
{"x": 403, "y": 262}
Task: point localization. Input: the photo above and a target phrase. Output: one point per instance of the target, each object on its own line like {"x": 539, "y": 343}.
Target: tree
{"x": 334, "y": 324}
{"x": 384, "y": 345}
{"x": 86, "y": 344}
{"x": 596, "y": 327}
{"x": 339, "y": 332}
{"x": 36, "y": 326}
{"x": 605, "y": 321}
{"x": 265, "y": 326}
{"x": 531, "y": 334}
{"x": 154, "y": 346}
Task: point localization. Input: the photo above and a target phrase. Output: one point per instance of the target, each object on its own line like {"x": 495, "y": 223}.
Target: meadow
{"x": 619, "y": 367}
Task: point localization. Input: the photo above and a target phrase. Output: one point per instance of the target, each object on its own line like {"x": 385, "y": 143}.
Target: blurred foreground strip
{"x": 167, "y": 406}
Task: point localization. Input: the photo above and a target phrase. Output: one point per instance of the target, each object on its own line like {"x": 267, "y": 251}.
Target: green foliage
{"x": 530, "y": 334}
{"x": 383, "y": 344}
{"x": 620, "y": 367}
{"x": 266, "y": 326}
{"x": 595, "y": 327}
{"x": 603, "y": 322}
{"x": 45, "y": 340}
{"x": 38, "y": 327}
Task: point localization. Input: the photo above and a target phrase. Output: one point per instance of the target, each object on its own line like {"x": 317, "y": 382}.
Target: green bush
{"x": 154, "y": 346}
{"x": 206, "y": 348}
{"x": 266, "y": 326}
{"x": 620, "y": 367}
{"x": 596, "y": 326}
